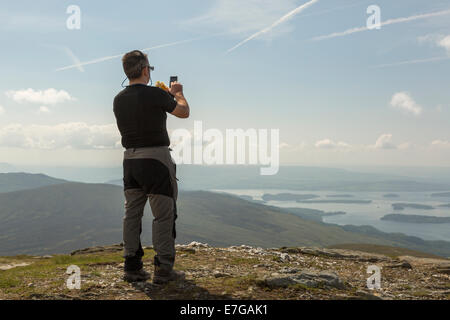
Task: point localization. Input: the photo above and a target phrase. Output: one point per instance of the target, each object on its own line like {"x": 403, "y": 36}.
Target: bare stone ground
{"x": 238, "y": 272}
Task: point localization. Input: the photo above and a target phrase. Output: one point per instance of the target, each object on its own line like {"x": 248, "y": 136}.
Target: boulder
{"x": 401, "y": 265}
{"x": 444, "y": 270}
{"x": 196, "y": 244}
{"x": 311, "y": 279}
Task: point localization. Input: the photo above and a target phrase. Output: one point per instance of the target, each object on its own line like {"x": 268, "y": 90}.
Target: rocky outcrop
{"x": 310, "y": 279}
{"x": 102, "y": 249}
{"x": 338, "y": 254}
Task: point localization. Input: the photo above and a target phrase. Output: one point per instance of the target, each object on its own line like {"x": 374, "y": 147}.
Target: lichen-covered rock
{"x": 312, "y": 279}
{"x": 196, "y": 244}
{"x": 343, "y": 254}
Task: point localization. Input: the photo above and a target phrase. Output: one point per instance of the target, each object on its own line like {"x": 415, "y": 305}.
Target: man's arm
{"x": 182, "y": 108}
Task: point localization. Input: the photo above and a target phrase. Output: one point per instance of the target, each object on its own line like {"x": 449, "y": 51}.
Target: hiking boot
{"x": 135, "y": 276}
{"x": 164, "y": 274}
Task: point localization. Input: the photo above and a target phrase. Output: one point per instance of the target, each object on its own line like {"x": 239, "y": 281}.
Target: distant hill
{"x": 340, "y": 196}
{"x": 402, "y": 206}
{"x": 117, "y": 182}
{"x": 442, "y": 194}
{"x": 310, "y": 214}
{"x": 287, "y": 197}
{"x": 412, "y": 218}
{"x": 14, "y": 181}
{"x": 437, "y": 247}
{"x": 336, "y": 201}
{"x": 60, "y": 218}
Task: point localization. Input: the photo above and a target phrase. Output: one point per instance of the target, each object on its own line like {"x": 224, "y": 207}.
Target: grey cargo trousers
{"x": 141, "y": 183}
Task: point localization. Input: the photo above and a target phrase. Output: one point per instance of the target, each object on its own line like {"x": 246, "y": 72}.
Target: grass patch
{"x": 50, "y": 274}
{"x": 406, "y": 287}
{"x": 229, "y": 284}
{"x": 277, "y": 259}
{"x": 7, "y": 283}
{"x": 85, "y": 259}
{"x": 420, "y": 293}
{"x": 95, "y": 273}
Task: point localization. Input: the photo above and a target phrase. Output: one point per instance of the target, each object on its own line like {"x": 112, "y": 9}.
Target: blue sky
{"x": 338, "y": 101}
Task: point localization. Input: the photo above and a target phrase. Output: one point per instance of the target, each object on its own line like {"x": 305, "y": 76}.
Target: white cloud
{"x": 300, "y": 146}
{"x": 2, "y": 110}
{"x": 43, "y": 109}
{"x": 46, "y": 97}
{"x": 441, "y": 143}
{"x": 330, "y": 144}
{"x": 429, "y": 38}
{"x": 293, "y": 147}
{"x": 405, "y": 145}
{"x": 404, "y": 101}
{"x": 445, "y": 43}
{"x": 74, "y": 135}
{"x": 438, "y": 40}
{"x": 385, "y": 142}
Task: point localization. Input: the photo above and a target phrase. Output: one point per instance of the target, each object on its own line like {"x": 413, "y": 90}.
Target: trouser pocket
{"x": 174, "y": 165}
{"x": 175, "y": 216}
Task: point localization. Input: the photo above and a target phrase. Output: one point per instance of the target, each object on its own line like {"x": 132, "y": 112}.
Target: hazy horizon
{"x": 101, "y": 174}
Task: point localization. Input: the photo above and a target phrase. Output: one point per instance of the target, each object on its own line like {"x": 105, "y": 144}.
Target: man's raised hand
{"x": 176, "y": 88}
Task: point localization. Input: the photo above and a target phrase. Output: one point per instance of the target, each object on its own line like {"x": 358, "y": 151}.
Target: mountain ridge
{"x": 16, "y": 181}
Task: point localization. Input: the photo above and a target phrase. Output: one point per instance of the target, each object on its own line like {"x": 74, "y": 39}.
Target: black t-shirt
{"x": 140, "y": 112}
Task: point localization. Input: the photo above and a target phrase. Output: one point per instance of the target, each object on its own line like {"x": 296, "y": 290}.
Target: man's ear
{"x": 145, "y": 72}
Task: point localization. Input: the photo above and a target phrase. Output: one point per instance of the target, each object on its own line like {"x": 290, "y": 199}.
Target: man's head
{"x": 136, "y": 66}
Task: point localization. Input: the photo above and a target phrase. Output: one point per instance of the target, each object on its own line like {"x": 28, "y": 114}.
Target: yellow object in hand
{"x": 161, "y": 85}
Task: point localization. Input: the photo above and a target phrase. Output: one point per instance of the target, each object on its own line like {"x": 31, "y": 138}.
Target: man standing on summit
{"x": 149, "y": 171}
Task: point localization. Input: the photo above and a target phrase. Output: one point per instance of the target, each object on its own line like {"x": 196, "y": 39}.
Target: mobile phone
{"x": 172, "y": 79}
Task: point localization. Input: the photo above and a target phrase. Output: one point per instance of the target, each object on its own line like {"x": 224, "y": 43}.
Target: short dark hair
{"x": 133, "y": 62}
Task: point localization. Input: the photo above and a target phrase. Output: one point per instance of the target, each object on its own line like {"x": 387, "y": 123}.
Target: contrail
{"x": 279, "y": 21}
{"x": 74, "y": 59}
{"x": 385, "y": 23}
{"x": 79, "y": 65}
{"x": 411, "y": 62}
